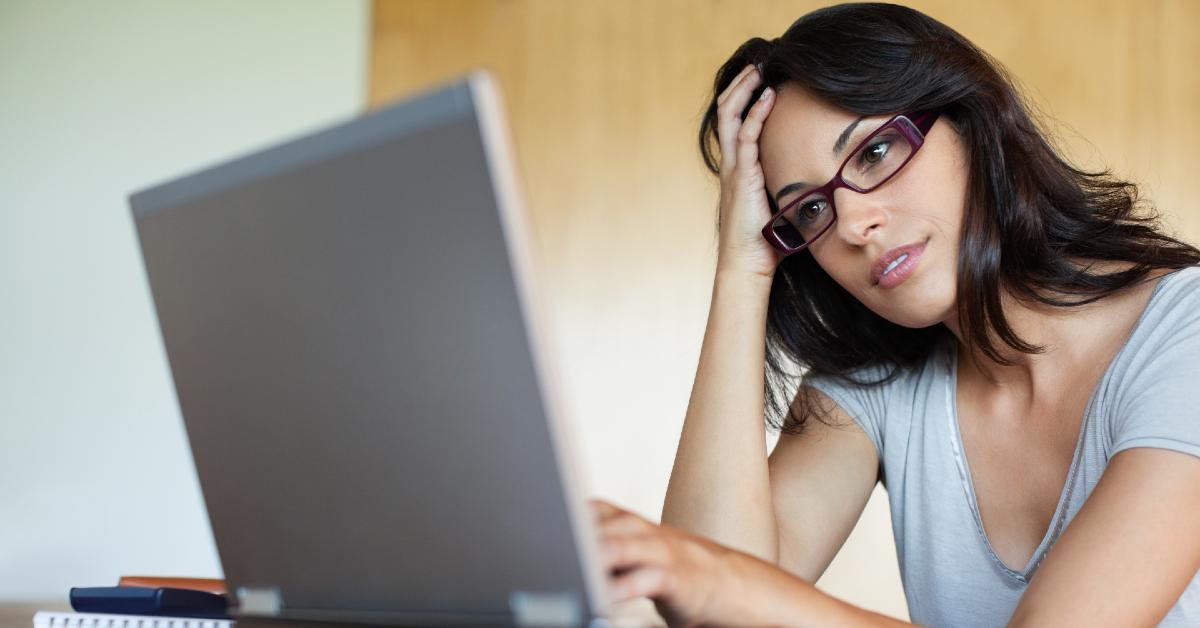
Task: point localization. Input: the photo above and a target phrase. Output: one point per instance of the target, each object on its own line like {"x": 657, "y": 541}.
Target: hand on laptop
{"x": 690, "y": 579}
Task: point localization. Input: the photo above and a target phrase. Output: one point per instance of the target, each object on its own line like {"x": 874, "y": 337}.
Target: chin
{"x": 919, "y": 310}
{"x": 914, "y": 320}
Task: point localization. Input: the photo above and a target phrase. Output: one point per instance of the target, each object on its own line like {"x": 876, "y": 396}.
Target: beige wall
{"x": 605, "y": 98}
{"x": 96, "y": 101}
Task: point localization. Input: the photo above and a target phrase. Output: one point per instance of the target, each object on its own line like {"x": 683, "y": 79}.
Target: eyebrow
{"x": 838, "y": 147}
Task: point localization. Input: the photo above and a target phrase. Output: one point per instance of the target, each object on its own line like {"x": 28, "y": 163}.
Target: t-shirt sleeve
{"x": 1160, "y": 406}
{"x": 866, "y": 404}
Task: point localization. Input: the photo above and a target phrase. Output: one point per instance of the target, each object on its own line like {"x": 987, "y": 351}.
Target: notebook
{"x": 45, "y": 619}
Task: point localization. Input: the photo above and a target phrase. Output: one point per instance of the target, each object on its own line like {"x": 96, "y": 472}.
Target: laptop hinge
{"x": 264, "y": 602}
{"x": 530, "y": 608}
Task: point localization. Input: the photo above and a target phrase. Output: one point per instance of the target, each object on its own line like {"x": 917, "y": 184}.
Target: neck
{"x": 1075, "y": 341}
{"x": 1060, "y": 332}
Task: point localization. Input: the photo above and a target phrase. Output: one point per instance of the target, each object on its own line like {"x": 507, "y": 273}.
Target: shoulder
{"x": 1179, "y": 287}
{"x": 881, "y": 397}
{"x": 879, "y": 379}
{"x": 1171, "y": 316}
{"x": 1152, "y": 382}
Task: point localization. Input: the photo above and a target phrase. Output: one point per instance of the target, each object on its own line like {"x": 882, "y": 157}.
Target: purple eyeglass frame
{"x": 920, "y": 122}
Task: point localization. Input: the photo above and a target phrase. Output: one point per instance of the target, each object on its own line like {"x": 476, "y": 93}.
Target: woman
{"x": 994, "y": 334}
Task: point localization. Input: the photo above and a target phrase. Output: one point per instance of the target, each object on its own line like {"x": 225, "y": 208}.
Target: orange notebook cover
{"x": 210, "y": 585}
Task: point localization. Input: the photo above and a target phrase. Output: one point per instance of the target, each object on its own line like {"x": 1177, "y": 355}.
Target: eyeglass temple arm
{"x": 924, "y": 120}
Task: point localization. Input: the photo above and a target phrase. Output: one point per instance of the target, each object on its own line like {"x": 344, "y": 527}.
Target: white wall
{"x": 96, "y": 100}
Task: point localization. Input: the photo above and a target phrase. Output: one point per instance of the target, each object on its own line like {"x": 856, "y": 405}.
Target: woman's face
{"x": 922, "y": 204}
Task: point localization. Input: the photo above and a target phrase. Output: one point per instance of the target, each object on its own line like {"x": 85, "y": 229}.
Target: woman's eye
{"x": 875, "y": 153}
{"x": 809, "y": 210}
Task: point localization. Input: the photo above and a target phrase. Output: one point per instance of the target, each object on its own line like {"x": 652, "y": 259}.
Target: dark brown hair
{"x": 1032, "y": 222}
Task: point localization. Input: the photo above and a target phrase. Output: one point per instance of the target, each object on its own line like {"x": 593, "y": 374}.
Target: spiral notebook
{"x": 45, "y": 619}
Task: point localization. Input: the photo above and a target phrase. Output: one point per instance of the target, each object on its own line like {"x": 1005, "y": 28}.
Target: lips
{"x": 891, "y": 255}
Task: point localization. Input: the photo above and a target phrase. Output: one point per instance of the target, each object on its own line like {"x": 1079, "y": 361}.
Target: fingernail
{"x": 766, "y": 93}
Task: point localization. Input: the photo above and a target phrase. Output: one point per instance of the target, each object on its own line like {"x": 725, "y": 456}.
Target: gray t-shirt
{"x": 951, "y": 575}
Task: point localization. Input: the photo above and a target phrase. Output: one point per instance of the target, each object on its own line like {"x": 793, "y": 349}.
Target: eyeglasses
{"x": 871, "y": 164}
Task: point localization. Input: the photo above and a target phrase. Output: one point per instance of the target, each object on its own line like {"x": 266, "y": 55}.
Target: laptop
{"x": 354, "y": 332}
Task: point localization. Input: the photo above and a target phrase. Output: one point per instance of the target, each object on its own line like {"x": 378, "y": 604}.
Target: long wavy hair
{"x": 1032, "y": 221}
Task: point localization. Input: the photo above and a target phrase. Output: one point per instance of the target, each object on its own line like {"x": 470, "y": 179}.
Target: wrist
{"x": 729, "y": 273}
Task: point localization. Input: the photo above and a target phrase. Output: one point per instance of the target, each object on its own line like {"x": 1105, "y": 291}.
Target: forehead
{"x": 800, "y": 130}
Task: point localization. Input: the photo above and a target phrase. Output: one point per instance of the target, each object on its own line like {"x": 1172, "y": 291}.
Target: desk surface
{"x": 20, "y": 614}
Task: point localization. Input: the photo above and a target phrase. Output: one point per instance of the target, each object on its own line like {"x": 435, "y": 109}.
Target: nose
{"x": 857, "y": 216}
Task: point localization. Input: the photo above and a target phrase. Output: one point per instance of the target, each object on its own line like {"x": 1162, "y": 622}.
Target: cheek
{"x": 838, "y": 265}
{"x": 933, "y": 186}
{"x": 949, "y": 196}
{"x": 933, "y": 194}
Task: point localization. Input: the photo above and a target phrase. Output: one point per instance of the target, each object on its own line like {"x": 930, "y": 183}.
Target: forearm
{"x": 774, "y": 597}
{"x": 719, "y": 485}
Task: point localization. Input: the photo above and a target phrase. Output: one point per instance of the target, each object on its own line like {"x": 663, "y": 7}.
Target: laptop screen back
{"x": 345, "y": 327}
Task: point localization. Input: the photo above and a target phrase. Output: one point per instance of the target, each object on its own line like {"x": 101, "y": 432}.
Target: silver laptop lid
{"x": 352, "y": 326}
